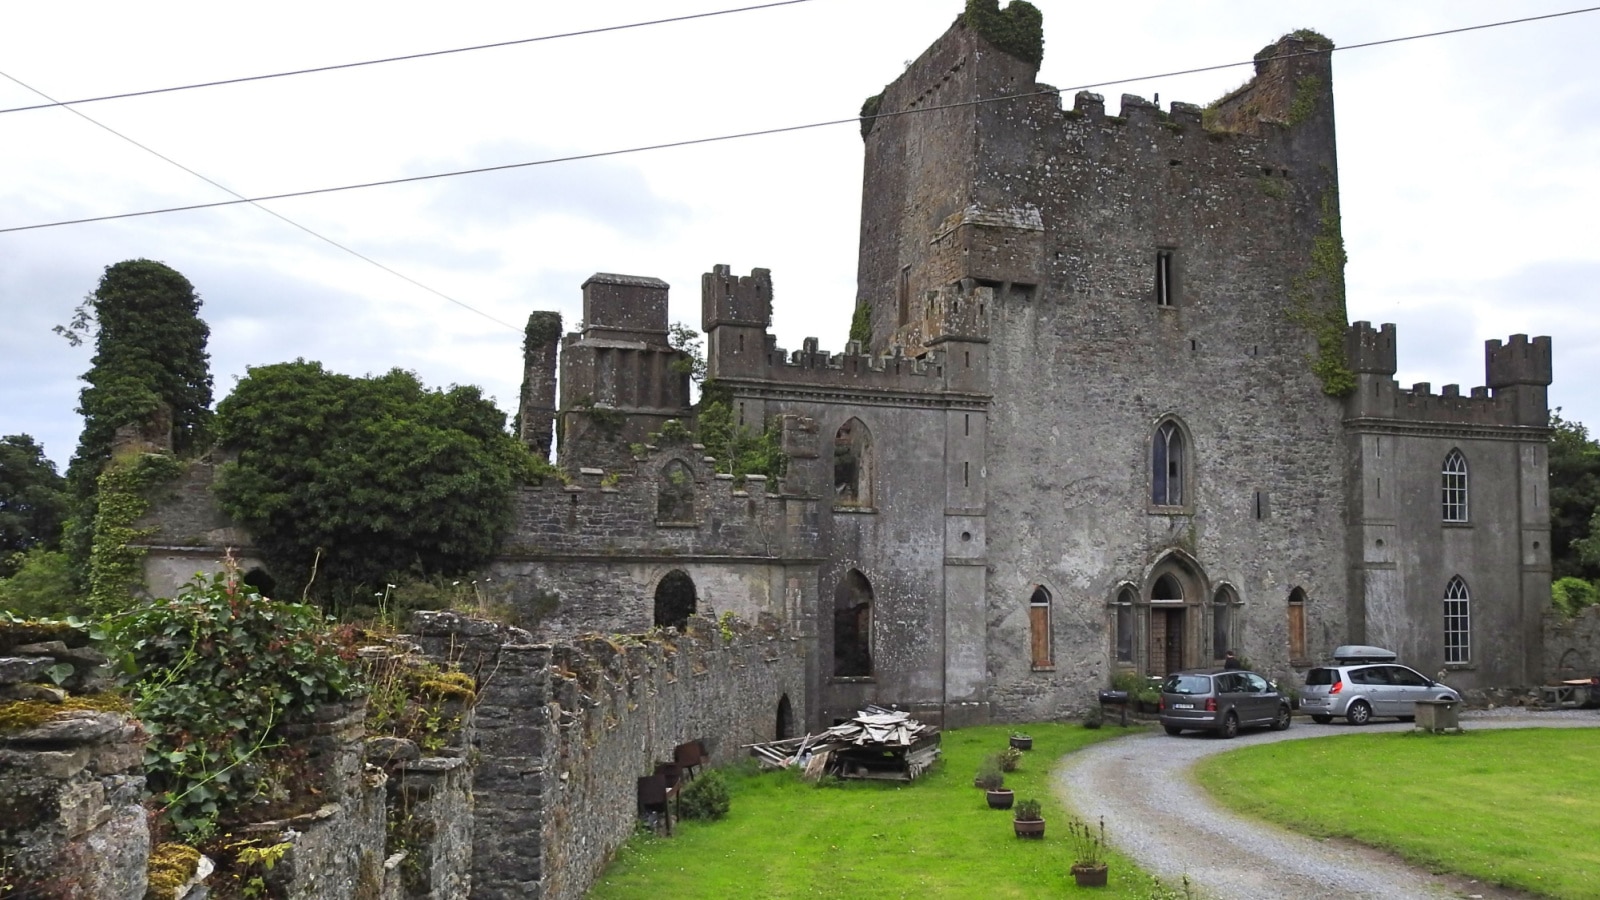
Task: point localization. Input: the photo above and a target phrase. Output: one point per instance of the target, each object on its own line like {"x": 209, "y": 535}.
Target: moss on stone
{"x": 1318, "y": 295}
{"x": 1313, "y": 38}
{"x": 1017, "y": 30}
{"x": 1306, "y": 91}
{"x": 869, "y": 113}
{"x": 171, "y": 866}
{"x": 543, "y": 328}
{"x": 21, "y": 715}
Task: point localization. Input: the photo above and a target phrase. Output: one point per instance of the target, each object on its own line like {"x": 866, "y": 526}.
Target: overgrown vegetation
{"x": 706, "y": 797}
{"x": 687, "y": 341}
{"x": 1313, "y": 38}
{"x": 125, "y": 488}
{"x": 1319, "y": 302}
{"x": 933, "y": 838}
{"x": 361, "y": 480}
{"x": 1505, "y": 807}
{"x": 42, "y": 586}
{"x": 33, "y": 501}
{"x": 215, "y": 674}
{"x": 869, "y": 113}
{"x": 1574, "y": 500}
{"x": 417, "y": 701}
{"x": 861, "y": 326}
{"x": 1307, "y": 89}
{"x": 739, "y": 450}
{"x": 1018, "y": 29}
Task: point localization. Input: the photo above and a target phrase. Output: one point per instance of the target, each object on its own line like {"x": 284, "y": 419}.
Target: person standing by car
{"x": 1231, "y": 661}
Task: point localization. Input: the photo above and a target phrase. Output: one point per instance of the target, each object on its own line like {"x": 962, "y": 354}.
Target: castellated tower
{"x": 1164, "y": 463}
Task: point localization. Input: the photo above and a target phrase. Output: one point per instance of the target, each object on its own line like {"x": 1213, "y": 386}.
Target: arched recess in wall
{"x": 262, "y": 581}
{"x": 783, "y": 729}
{"x": 1171, "y": 465}
{"x": 1123, "y": 625}
{"x": 1039, "y": 629}
{"x": 852, "y": 626}
{"x": 676, "y": 600}
{"x": 1175, "y": 601}
{"x": 852, "y": 465}
{"x": 1223, "y": 636}
{"x": 1297, "y": 625}
{"x": 675, "y": 494}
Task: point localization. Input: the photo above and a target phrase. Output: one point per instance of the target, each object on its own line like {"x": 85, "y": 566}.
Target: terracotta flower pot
{"x": 1001, "y": 799}
{"x": 1028, "y": 828}
{"x": 1089, "y": 876}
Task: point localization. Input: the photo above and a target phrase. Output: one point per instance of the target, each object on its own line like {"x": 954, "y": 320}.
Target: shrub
{"x": 1027, "y": 811}
{"x": 1010, "y": 759}
{"x": 706, "y": 797}
{"x": 989, "y": 775}
{"x": 1094, "y": 718}
{"x": 214, "y": 673}
{"x": 1571, "y": 596}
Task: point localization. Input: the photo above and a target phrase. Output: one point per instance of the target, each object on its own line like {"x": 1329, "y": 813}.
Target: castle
{"x": 1104, "y": 414}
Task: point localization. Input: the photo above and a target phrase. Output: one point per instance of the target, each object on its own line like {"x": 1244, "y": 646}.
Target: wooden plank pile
{"x": 877, "y": 743}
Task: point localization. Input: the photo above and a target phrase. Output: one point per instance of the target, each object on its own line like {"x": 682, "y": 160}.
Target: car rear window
{"x": 1317, "y": 677}
{"x": 1188, "y": 684}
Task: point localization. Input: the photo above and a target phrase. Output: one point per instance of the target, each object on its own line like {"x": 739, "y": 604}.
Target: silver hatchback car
{"x": 1366, "y": 682}
{"x": 1221, "y": 702}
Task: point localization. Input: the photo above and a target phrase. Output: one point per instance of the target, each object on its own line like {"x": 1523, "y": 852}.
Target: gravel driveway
{"x": 1155, "y": 813}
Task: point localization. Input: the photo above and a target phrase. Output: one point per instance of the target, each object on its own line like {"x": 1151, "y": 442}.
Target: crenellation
{"x": 1090, "y": 105}
{"x": 1517, "y": 361}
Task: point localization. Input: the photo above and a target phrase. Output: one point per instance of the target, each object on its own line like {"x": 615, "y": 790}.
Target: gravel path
{"x": 1157, "y": 814}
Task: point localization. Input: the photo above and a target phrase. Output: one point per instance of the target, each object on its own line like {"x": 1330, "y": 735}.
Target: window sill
{"x": 1049, "y": 668}
{"x": 853, "y": 679}
{"x": 1169, "y": 510}
{"x": 1461, "y": 667}
{"x": 1456, "y": 524}
{"x": 856, "y": 510}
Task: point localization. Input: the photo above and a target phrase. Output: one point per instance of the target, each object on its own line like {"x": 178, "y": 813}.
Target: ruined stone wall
{"x": 1571, "y": 646}
{"x": 565, "y": 730}
{"x": 188, "y": 532}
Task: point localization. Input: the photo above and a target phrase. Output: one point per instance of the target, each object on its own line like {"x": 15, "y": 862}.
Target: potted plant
{"x": 1020, "y": 741}
{"x": 993, "y": 783}
{"x": 1010, "y": 759}
{"x": 1088, "y": 852}
{"x": 1027, "y": 821}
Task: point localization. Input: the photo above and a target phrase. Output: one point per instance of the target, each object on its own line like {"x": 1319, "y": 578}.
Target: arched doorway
{"x": 1175, "y": 602}
{"x": 675, "y": 600}
{"x": 784, "y": 729}
{"x": 264, "y": 583}
{"x": 852, "y": 626}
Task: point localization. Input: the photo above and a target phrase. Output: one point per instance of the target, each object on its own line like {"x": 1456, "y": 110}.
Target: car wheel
{"x": 1282, "y": 720}
{"x": 1173, "y": 730}
{"x": 1359, "y": 713}
{"x": 1322, "y": 720}
{"x": 1230, "y": 726}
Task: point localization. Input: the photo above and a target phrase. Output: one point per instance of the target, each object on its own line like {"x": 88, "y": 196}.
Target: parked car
{"x": 1223, "y": 702}
{"x": 1365, "y": 682}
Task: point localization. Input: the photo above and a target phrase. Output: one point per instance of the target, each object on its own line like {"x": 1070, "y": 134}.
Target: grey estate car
{"x": 1366, "y": 682}
{"x": 1223, "y": 702}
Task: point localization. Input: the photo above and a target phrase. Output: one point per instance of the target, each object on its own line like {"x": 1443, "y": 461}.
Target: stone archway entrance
{"x": 1175, "y": 614}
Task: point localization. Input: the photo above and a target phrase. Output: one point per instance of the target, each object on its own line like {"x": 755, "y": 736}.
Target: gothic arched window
{"x": 675, "y": 493}
{"x": 1167, "y": 462}
{"x": 852, "y": 626}
{"x": 1297, "y": 625}
{"x": 1039, "y": 628}
{"x": 852, "y": 465}
{"x": 1453, "y": 478}
{"x": 1457, "y": 622}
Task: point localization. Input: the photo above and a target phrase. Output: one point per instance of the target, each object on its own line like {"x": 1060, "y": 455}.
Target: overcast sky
{"x": 1467, "y": 165}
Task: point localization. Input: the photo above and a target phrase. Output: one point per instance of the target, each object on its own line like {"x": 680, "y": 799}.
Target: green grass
{"x": 932, "y": 838}
{"x": 1516, "y": 808}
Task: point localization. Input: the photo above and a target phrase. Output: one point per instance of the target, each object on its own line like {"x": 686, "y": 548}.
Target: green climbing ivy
{"x": 861, "y": 325}
{"x": 869, "y": 113}
{"x": 1306, "y": 91}
{"x": 1018, "y": 29}
{"x": 1319, "y": 302}
{"x": 116, "y": 567}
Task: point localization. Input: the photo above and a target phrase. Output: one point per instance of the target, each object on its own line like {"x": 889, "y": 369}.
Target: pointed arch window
{"x": 1039, "y": 628}
{"x": 1297, "y": 625}
{"x": 1222, "y": 604}
{"x": 1457, "y": 622}
{"x": 852, "y": 627}
{"x": 1453, "y": 478}
{"x": 675, "y": 494}
{"x": 852, "y": 465}
{"x": 1125, "y": 625}
{"x": 1167, "y": 463}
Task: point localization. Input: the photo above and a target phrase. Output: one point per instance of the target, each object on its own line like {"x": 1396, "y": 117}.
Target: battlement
{"x": 1518, "y": 361}
{"x": 727, "y": 299}
{"x": 1370, "y": 350}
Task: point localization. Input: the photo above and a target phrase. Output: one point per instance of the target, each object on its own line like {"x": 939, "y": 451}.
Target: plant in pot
{"x": 1088, "y": 852}
{"x": 1010, "y": 759}
{"x": 1027, "y": 821}
{"x": 1020, "y": 741}
{"x": 993, "y": 783}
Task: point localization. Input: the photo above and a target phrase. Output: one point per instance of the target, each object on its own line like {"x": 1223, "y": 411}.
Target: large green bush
{"x": 706, "y": 797}
{"x": 215, "y": 674}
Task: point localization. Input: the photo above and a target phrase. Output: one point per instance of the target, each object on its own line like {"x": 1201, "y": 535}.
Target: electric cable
{"x": 389, "y": 59}
{"x": 766, "y": 131}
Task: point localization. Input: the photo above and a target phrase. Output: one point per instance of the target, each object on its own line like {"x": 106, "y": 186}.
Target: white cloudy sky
{"x": 1468, "y": 167}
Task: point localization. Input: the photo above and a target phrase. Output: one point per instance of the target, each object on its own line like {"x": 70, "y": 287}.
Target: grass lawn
{"x": 935, "y": 837}
{"x": 1517, "y": 808}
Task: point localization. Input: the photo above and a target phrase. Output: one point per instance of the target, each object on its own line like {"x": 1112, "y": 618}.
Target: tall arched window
{"x": 852, "y": 626}
{"x": 1453, "y": 478}
{"x": 1039, "y": 627}
{"x": 1167, "y": 465}
{"x": 675, "y": 494}
{"x": 1222, "y": 604}
{"x": 1297, "y": 625}
{"x": 1457, "y": 622}
{"x": 852, "y": 465}
{"x": 675, "y": 600}
{"x": 1125, "y": 626}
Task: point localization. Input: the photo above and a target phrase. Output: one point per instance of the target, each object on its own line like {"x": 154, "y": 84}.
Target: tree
{"x": 1574, "y": 498}
{"x": 365, "y": 478}
{"x": 33, "y": 500}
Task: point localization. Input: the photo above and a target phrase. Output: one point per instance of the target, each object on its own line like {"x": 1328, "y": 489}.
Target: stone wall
{"x": 563, "y": 731}
{"x": 1572, "y": 646}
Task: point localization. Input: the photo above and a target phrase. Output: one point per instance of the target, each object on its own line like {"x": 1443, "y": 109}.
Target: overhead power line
{"x": 765, "y": 131}
{"x": 389, "y": 59}
{"x": 279, "y": 216}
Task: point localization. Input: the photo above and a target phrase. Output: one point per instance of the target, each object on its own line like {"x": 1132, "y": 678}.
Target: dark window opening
{"x": 264, "y": 584}
{"x": 1166, "y": 470}
{"x": 675, "y": 600}
{"x": 1039, "y": 628}
{"x": 1125, "y": 626}
{"x": 1167, "y": 588}
{"x": 1165, "y": 293}
{"x": 852, "y": 627}
{"x": 783, "y": 729}
{"x": 904, "y": 295}
{"x": 852, "y": 465}
{"x": 675, "y": 495}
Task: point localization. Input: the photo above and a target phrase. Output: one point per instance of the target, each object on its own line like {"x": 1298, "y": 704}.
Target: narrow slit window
{"x": 1124, "y": 613}
{"x": 1039, "y": 628}
{"x": 1164, "y": 285}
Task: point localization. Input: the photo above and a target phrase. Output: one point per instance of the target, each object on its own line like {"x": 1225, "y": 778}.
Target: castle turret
{"x": 1370, "y": 354}
{"x": 1520, "y": 370}
{"x": 735, "y": 311}
{"x": 536, "y": 414}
